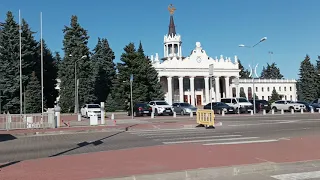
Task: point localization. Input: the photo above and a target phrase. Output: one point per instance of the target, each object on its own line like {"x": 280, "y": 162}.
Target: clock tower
{"x": 172, "y": 40}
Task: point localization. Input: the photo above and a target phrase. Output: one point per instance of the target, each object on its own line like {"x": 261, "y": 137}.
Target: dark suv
{"x": 261, "y": 105}
{"x": 140, "y": 109}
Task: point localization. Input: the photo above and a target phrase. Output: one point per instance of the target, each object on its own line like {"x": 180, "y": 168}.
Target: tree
{"x": 151, "y": 77}
{"x": 307, "y": 81}
{"x": 9, "y": 69}
{"x": 50, "y": 75}
{"x": 317, "y": 70}
{"x": 274, "y": 96}
{"x": 271, "y": 72}
{"x": 244, "y": 73}
{"x": 242, "y": 93}
{"x": 105, "y": 70}
{"x": 33, "y": 96}
{"x": 111, "y": 104}
{"x": 76, "y": 54}
{"x": 131, "y": 63}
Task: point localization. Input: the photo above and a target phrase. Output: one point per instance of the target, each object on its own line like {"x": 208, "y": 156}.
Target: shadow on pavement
{"x": 95, "y": 143}
{"x": 8, "y": 164}
{"x": 6, "y": 137}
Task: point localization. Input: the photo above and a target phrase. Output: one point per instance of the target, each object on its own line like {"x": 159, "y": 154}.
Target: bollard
{"x": 264, "y": 112}
{"x": 301, "y": 111}
{"x": 174, "y": 114}
{"x": 222, "y": 112}
{"x": 191, "y": 114}
{"x": 112, "y": 116}
{"x": 312, "y": 110}
{"x": 272, "y": 111}
{"x": 251, "y": 112}
{"x": 102, "y": 113}
{"x": 282, "y": 111}
{"x": 319, "y": 110}
{"x": 152, "y": 115}
{"x": 292, "y": 111}
{"x": 79, "y": 117}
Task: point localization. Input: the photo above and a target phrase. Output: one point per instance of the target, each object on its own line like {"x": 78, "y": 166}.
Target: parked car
{"x": 308, "y": 107}
{"x": 184, "y": 108}
{"x": 161, "y": 108}
{"x": 315, "y": 104}
{"x": 141, "y": 109}
{"x": 287, "y": 105}
{"x": 261, "y": 105}
{"x": 89, "y": 110}
{"x": 241, "y": 105}
{"x": 218, "y": 107}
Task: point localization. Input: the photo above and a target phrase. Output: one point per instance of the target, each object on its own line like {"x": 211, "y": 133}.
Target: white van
{"x": 241, "y": 105}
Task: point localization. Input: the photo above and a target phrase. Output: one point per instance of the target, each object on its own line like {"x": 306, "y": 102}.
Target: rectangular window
{"x": 268, "y": 89}
{"x": 285, "y": 88}
{"x": 279, "y": 88}
{"x": 262, "y": 97}
{"x": 256, "y": 89}
{"x": 290, "y": 88}
{"x": 262, "y": 89}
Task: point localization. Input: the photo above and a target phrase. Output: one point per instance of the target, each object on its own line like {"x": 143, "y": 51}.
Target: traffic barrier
{"x": 251, "y": 111}
{"x": 222, "y": 112}
{"x": 272, "y": 111}
{"x": 282, "y": 111}
{"x": 319, "y": 110}
{"x": 174, "y": 114}
{"x": 205, "y": 117}
{"x": 292, "y": 111}
{"x": 191, "y": 114}
{"x": 301, "y": 111}
{"x": 312, "y": 110}
{"x": 264, "y": 112}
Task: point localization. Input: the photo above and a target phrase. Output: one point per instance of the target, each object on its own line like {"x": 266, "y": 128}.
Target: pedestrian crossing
{"x": 198, "y": 135}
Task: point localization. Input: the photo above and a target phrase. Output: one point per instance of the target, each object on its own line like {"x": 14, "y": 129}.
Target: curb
{"x": 231, "y": 171}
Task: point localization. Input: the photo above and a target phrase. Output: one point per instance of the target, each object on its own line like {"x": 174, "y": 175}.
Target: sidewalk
{"x": 161, "y": 159}
{"x": 101, "y": 128}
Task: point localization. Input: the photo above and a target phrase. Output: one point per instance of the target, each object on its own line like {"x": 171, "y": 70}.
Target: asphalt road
{"x": 234, "y": 130}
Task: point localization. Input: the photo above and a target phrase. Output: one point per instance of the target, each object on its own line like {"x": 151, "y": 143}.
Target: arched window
{"x": 234, "y": 92}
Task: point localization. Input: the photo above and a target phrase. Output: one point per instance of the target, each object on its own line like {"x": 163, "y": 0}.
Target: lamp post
{"x": 76, "y": 82}
{"x": 253, "y": 70}
{"x": 131, "y": 81}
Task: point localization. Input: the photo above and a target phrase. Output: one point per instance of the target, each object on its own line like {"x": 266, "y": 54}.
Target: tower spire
{"x": 172, "y": 27}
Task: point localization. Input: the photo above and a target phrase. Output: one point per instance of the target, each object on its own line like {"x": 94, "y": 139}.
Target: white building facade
{"x": 187, "y": 79}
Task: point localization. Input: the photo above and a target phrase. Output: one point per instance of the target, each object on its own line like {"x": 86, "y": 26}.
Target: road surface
{"x": 240, "y": 130}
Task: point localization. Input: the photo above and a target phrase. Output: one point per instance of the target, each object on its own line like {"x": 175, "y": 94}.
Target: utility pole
{"x": 41, "y": 42}
{"x": 131, "y": 81}
{"x": 20, "y": 49}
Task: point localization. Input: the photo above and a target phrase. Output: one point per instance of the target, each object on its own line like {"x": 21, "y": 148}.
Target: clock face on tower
{"x": 198, "y": 59}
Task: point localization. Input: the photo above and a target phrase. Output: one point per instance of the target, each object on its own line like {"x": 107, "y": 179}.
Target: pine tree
{"x": 131, "y": 63}
{"x": 33, "y": 96}
{"x": 274, "y": 96}
{"x": 105, "y": 70}
{"x": 50, "y": 75}
{"x": 271, "y": 72}
{"x": 244, "y": 73}
{"x": 9, "y": 60}
{"x": 155, "y": 90}
{"x": 307, "y": 81}
{"x": 76, "y": 54}
{"x": 111, "y": 104}
{"x": 242, "y": 93}
{"x": 317, "y": 70}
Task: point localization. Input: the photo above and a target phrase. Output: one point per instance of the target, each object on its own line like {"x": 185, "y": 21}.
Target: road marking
{"x": 298, "y": 176}
{"x": 257, "y": 124}
{"x": 241, "y": 142}
{"x": 185, "y": 138}
{"x": 209, "y": 140}
{"x": 157, "y": 130}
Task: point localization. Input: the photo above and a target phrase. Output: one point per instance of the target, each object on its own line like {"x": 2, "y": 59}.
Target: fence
{"x": 27, "y": 121}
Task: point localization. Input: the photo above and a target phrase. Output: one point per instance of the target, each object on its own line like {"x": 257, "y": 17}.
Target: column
{"x": 192, "y": 91}
{"x": 206, "y": 87}
{"x": 169, "y": 79}
{"x": 227, "y": 86}
{"x": 217, "y": 83}
{"x": 172, "y": 49}
{"x": 180, "y": 50}
{"x": 237, "y": 91}
{"x": 181, "y": 89}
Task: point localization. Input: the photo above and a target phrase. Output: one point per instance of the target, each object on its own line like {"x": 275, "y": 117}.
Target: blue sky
{"x": 292, "y": 27}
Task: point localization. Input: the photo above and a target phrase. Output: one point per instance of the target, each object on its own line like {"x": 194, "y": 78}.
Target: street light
{"x": 76, "y": 83}
{"x": 253, "y": 70}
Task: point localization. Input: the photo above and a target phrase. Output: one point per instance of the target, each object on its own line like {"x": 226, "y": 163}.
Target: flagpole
{"x": 41, "y": 42}
{"x": 20, "y": 63}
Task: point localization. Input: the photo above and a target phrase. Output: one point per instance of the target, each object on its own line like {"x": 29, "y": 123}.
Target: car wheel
{"x": 275, "y": 109}
{"x": 290, "y": 109}
{"x": 267, "y": 111}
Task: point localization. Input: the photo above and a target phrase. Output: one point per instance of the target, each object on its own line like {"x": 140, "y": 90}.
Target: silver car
{"x": 184, "y": 108}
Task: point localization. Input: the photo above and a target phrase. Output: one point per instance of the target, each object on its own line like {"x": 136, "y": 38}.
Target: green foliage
{"x": 111, "y": 104}
{"x": 131, "y": 63}
{"x": 244, "y": 73}
{"x": 242, "y": 93}
{"x": 9, "y": 60}
{"x": 105, "y": 70}
{"x": 274, "y": 96}
{"x": 76, "y": 54}
{"x": 307, "y": 82}
{"x": 317, "y": 70}
{"x": 33, "y": 96}
{"x": 271, "y": 72}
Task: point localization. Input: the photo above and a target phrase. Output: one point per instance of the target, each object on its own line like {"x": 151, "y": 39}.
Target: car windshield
{"x": 301, "y": 102}
{"x": 162, "y": 103}
{"x": 93, "y": 106}
{"x": 185, "y": 104}
{"x": 242, "y": 100}
{"x": 221, "y": 104}
{"x": 142, "y": 105}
